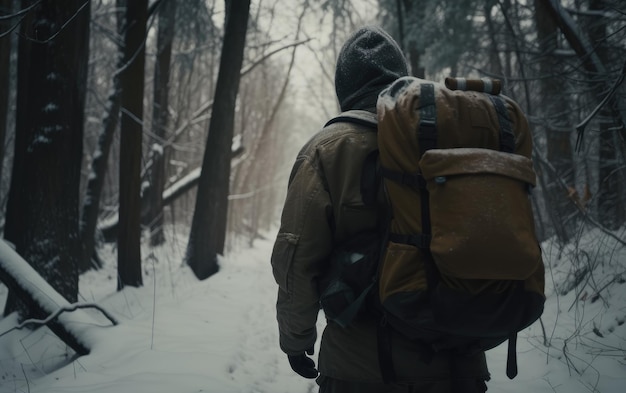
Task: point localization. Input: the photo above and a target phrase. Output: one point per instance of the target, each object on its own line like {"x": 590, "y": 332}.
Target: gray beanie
{"x": 369, "y": 60}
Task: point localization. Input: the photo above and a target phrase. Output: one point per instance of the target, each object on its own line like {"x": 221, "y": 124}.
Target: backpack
{"x": 462, "y": 268}
{"x": 456, "y": 263}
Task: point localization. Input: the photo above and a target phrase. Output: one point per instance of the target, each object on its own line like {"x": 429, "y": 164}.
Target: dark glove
{"x": 303, "y": 365}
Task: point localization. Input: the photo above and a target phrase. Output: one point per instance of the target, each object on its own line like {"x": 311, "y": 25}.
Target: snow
{"x": 192, "y": 176}
{"x": 178, "y": 334}
{"x": 50, "y": 107}
{"x": 78, "y": 322}
{"x": 157, "y": 148}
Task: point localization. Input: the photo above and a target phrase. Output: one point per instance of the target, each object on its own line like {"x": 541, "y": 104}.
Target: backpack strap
{"x": 360, "y": 117}
{"x": 507, "y": 137}
{"x": 427, "y": 139}
{"x": 370, "y": 183}
{"x": 511, "y": 357}
{"x": 406, "y": 179}
{"x": 427, "y": 129}
{"x": 385, "y": 354}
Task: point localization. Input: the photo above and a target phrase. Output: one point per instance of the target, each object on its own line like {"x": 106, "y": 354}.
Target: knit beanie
{"x": 369, "y": 60}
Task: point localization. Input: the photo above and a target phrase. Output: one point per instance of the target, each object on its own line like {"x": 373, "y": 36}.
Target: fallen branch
{"x": 53, "y": 316}
{"x": 42, "y": 300}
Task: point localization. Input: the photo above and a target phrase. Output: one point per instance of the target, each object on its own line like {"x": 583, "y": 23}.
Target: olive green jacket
{"x": 323, "y": 208}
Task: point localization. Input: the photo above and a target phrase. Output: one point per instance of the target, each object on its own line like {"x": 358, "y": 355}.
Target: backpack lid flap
{"x": 475, "y": 161}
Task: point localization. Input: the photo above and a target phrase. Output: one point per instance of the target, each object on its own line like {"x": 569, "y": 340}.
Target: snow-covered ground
{"x": 177, "y": 334}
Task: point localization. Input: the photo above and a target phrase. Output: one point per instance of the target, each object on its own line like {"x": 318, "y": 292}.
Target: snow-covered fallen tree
{"x": 70, "y": 322}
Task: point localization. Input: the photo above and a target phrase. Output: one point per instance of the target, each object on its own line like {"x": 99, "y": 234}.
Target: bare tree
{"x": 554, "y": 111}
{"x": 593, "y": 57}
{"x": 208, "y": 229}
{"x": 42, "y": 211}
{"x": 612, "y": 175}
{"x": 131, "y": 131}
{"x": 254, "y": 180}
{"x": 99, "y": 165}
{"x": 6, "y": 6}
{"x": 160, "y": 117}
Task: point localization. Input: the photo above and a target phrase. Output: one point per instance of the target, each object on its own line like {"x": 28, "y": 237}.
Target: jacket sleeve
{"x": 300, "y": 254}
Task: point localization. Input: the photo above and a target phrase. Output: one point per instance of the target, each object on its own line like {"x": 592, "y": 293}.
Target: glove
{"x": 303, "y": 365}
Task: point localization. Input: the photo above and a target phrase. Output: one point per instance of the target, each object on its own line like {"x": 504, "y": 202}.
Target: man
{"x": 324, "y": 207}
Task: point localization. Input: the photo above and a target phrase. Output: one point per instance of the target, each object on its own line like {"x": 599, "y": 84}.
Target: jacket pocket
{"x": 282, "y": 258}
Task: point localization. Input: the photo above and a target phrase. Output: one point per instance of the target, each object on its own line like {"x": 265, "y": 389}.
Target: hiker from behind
{"x": 325, "y": 207}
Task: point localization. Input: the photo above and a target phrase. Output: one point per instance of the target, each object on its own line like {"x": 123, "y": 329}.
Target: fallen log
{"x": 71, "y": 323}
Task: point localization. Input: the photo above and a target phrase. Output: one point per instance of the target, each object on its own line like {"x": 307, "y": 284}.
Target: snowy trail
{"x": 219, "y": 335}
{"x": 257, "y": 358}
{"x": 178, "y": 334}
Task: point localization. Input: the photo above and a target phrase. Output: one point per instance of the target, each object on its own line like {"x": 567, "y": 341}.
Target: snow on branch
{"x": 53, "y": 316}
{"x": 73, "y": 328}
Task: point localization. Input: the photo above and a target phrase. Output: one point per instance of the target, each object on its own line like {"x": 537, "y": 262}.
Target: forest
{"x": 126, "y": 125}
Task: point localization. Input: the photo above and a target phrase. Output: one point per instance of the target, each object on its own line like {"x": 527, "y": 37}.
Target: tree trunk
{"x": 6, "y": 7}
{"x": 585, "y": 50}
{"x": 553, "y": 108}
{"x": 42, "y": 210}
{"x": 39, "y": 296}
{"x": 415, "y": 52}
{"x": 131, "y": 130}
{"x": 99, "y": 164}
{"x": 160, "y": 118}
{"x": 208, "y": 229}
{"x": 611, "y": 187}
{"x": 495, "y": 63}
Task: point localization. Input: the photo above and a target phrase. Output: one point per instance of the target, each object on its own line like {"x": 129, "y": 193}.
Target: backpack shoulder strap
{"x": 507, "y": 137}
{"x": 427, "y": 132}
{"x": 364, "y": 118}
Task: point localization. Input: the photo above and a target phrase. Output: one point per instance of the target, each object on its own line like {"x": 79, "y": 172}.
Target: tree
{"x": 131, "y": 130}
{"x": 593, "y": 57}
{"x": 262, "y": 98}
{"x": 554, "y": 111}
{"x": 6, "y": 7}
{"x": 208, "y": 228}
{"x": 73, "y": 328}
{"x": 160, "y": 116}
{"x": 97, "y": 171}
{"x": 612, "y": 176}
{"x": 42, "y": 209}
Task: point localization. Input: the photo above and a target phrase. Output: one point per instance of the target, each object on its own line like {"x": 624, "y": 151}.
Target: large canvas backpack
{"x": 462, "y": 269}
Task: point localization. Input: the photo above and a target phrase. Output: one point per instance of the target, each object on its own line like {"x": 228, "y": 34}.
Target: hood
{"x": 368, "y": 61}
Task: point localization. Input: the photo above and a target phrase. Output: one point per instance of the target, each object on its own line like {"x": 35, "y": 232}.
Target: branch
{"x": 51, "y": 317}
{"x": 20, "y": 12}
{"x": 579, "y": 207}
{"x": 580, "y": 128}
{"x": 195, "y": 116}
{"x": 268, "y": 55}
{"x": 67, "y": 22}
